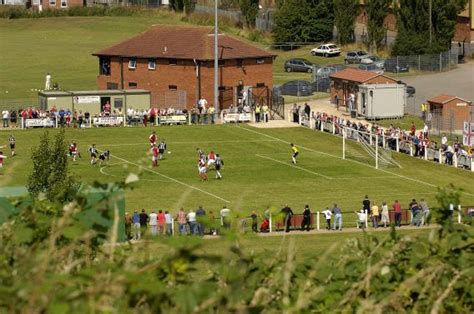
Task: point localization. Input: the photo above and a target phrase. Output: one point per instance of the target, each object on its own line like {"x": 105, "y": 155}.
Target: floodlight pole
{"x": 216, "y": 62}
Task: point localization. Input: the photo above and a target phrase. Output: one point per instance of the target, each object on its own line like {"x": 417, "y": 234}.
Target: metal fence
{"x": 235, "y": 16}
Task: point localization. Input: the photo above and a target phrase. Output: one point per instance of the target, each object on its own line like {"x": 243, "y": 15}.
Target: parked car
{"x": 410, "y": 90}
{"x": 373, "y": 60}
{"x": 329, "y": 69}
{"x": 321, "y": 84}
{"x": 298, "y": 65}
{"x": 370, "y": 67}
{"x": 326, "y": 50}
{"x": 296, "y": 88}
{"x": 394, "y": 66}
{"x": 355, "y": 56}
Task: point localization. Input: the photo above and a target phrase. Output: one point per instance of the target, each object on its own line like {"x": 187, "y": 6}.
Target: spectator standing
{"x": 257, "y": 113}
{"x": 337, "y": 217}
{"x": 128, "y": 226}
{"x": 153, "y": 217}
{"x": 13, "y": 118}
{"x": 225, "y": 217}
{"x": 191, "y": 217}
{"x": 169, "y": 223}
{"x": 254, "y": 222}
{"x": 327, "y": 215}
{"x": 181, "y": 218}
{"x": 161, "y": 222}
{"x": 397, "y": 208}
{"x": 366, "y": 204}
{"x": 415, "y": 212}
{"x": 212, "y": 113}
{"x": 287, "y": 214}
{"x": 5, "y": 116}
{"x": 143, "y": 221}
{"x": 306, "y": 218}
{"x": 136, "y": 225}
{"x": 375, "y": 216}
{"x": 265, "y": 112}
{"x": 425, "y": 212}
{"x": 200, "y": 216}
{"x": 385, "y": 215}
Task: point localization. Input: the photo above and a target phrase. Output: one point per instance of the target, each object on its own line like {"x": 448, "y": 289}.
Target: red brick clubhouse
{"x": 176, "y": 65}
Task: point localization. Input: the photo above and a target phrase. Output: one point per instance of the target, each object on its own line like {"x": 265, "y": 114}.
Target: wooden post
{"x": 172, "y": 226}
{"x": 366, "y": 219}
{"x": 322, "y": 126}
{"x": 426, "y": 152}
{"x": 411, "y": 150}
{"x": 440, "y": 156}
{"x": 311, "y": 121}
{"x": 317, "y": 221}
{"x": 459, "y": 214}
{"x": 383, "y": 140}
{"x": 398, "y": 144}
{"x": 376, "y": 151}
{"x": 333, "y": 127}
{"x": 270, "y": 220}
{"x": 455, "y": 160}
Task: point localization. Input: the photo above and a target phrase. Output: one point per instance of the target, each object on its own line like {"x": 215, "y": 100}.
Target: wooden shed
{"x": 448, "y": 113}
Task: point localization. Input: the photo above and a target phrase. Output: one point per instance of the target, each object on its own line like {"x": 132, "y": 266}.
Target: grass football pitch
{"x": 257, "y": 174}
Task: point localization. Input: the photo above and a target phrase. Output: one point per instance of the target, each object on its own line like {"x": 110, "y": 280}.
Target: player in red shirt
{"x": 152, "y": 139}
{"x": 2, "y": 157}
{"x": 154, "y": 158}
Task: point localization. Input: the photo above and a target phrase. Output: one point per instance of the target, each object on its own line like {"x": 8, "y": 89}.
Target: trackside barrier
{"x": 461, "y": 214}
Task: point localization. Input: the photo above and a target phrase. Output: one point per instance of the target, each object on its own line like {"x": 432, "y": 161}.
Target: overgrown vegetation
{"x": 249, "y": 9}
{"x": 345, "y": 14}
{"x": 52, "y": 261}
{"x": 50, "y": 176}
{"x": 413, "y": 26}
{"x": 304, "y": 21}
{"x": 377, "y": 10}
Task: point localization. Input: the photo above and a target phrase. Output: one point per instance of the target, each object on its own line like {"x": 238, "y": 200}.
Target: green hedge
{"x": 17, "y": 12}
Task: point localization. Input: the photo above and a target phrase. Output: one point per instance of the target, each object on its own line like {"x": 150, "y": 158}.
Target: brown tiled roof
{"x": 355, "y": 75}
{"x": 180, "y": 42}
{"x": 442, "y": 99}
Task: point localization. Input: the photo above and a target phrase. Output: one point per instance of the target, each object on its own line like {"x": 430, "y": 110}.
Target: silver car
{"x": 371, "y": 67}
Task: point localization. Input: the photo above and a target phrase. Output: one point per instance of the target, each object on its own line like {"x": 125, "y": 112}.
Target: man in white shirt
{"x": 327, "y": 215}
{"x": 5, "y": 116}
{"x": 191, "y": 217}
{"x": 47, "y": 84}
{"x": 169, "y": 223}
{"x": 225, "y": 217}
{"x": 153, "y": 217}
{"x": 361, "y": 218}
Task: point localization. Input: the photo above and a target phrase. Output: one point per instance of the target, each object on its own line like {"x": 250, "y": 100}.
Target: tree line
{"x": 423, "y": 26}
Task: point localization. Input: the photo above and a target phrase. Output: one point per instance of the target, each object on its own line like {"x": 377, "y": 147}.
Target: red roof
{"x": 355, "y": 75}
{"x": 178, "y": 42}
{"x": 442, "y": 99}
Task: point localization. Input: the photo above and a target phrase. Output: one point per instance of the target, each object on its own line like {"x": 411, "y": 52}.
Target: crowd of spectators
{"x": 420, "y": 140}
{"x": 200, "y": 222}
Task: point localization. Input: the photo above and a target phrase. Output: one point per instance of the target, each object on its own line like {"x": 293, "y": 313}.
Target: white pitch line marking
{"x": 101, "y": 170}
{"x": 172, "y": 179}
{"x": 193, "y": 142}
{"x": 354, "y": 161}
{"x": 294, "y": 166}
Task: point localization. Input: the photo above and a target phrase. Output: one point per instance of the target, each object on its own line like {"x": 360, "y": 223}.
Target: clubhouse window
{"x": 63, "y": 3}
{"x": 173, "y": 61}
{"x": 118, "y": 103}
{"x": 112, "y": 85}
{"x": 260, "y": 61}
{"x": 104, "y": 66}
{"x": 52, "y": 3}
{"x": 260, "y": 84}
{"x": 132, "y": 64}
{"x": 240, "y": 63}
{"x": 152, "y": 64}
{"x": 132, "y": 85}
{"x": 172, "y": 87}
{"x": 221, "y": 62}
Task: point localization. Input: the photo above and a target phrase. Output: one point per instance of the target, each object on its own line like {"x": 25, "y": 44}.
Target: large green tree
{"x": 50, "y": 174}
{"x": 304, "y": 21}
{"x": 249, "y": 9}
{"x": 182, "y": 5}
{"x": 345, "y": 14}
{"x": 413, "y": 26}
{"x": 377, "y": 10}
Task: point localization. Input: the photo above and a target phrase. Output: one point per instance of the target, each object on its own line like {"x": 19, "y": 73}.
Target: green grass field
{"x": 257, "y": 174}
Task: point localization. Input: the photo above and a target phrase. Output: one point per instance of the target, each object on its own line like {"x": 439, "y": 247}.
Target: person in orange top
{"x": 161, "y": 222}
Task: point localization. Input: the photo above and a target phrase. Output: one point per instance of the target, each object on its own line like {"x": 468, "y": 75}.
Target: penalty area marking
{"x": 354, "y": 161}
{"x": 294, "y": 166}
{"x": 171, "y": 179}
{"x": 101, "y": 170}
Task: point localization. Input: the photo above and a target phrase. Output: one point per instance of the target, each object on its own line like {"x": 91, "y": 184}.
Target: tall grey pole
{"x": 430, "y": 20}
{"x": 216, "y": 62}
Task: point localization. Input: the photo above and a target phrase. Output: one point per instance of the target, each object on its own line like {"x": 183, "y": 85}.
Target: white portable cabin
{"x": 380, "y": 101}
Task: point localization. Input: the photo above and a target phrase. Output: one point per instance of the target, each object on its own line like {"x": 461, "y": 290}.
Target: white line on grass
{"x": 172, "y": 179}
{"x": 101, "y": 170}
{"x": 294, "y": 166}
{"x": 193, "y": 142}
{"x": 354, "y": 161}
